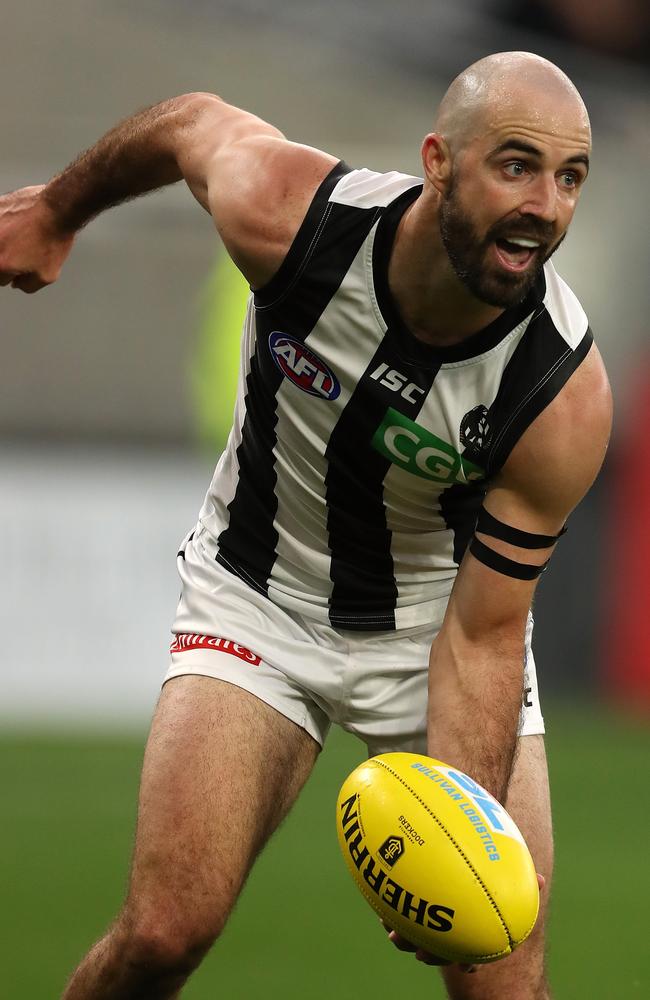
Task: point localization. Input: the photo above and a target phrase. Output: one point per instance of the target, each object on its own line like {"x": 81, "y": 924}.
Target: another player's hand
{"x": 32, "y": 250}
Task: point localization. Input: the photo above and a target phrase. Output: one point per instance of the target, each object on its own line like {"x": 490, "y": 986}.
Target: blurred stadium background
{"x": 115, "y": 389}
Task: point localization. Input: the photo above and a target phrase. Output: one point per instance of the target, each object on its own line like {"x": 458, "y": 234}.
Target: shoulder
{"x": 282, "y": 189}
{"x": 259, "y": 192}
{"x": 255, "y": 183}
{"x": 558, "y": 457}
{"x": 553, "y": 342}
{"x": 567, "y": 441}
{"x": 562, "y": 308}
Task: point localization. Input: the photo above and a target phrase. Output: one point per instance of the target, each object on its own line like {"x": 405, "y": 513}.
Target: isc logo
{"x": 396, "y": 382}
{"x": 415, "y": 449}
{"x": 303, "y": 367}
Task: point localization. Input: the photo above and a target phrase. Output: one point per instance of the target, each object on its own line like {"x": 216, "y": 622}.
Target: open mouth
{"x": 515, "y": 254}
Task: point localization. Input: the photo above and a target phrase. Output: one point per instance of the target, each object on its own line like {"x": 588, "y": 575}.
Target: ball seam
{"x": 456, "y": 845}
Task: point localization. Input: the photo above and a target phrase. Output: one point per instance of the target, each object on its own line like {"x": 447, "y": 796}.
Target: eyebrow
{"x": 526, "y": 147}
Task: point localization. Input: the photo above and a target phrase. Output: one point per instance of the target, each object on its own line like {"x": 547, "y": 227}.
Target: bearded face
{"x": 501, "y": 265}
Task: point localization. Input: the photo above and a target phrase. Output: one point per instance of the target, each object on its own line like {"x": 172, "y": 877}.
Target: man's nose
{"x": 541, "y": 199}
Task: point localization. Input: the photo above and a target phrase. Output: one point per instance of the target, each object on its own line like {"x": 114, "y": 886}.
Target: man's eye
{"x": 515, "y": 169}
{"x": 570, "y": 179}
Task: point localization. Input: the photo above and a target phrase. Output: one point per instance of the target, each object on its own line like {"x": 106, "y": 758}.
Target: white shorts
{"x": 372, "y": 684}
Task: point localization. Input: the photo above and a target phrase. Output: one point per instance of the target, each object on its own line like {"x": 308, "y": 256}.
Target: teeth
{"x": 521, "y": 242}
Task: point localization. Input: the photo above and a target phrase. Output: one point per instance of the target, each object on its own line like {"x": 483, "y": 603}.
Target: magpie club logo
{"x": 475, "y": 430}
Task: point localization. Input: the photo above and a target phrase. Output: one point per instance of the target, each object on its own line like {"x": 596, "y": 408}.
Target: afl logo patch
{"x": 303, "y": 367}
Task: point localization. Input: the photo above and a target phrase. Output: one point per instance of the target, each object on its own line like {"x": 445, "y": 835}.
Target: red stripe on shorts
{"x": 185, "y": 641}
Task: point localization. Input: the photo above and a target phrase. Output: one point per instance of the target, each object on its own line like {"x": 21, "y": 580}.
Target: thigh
{"x": 226, "y": 630}
{"x": 221, "y": 770}
{"x": 388, "y": 709}
{"x": 521, "y": 975}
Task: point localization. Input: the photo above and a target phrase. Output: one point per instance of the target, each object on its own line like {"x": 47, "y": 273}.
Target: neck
{"x": 433, "y": 302}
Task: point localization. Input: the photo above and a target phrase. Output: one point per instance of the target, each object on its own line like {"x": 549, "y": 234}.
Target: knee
{"x": 165, "y": 944}
{"x": 507, "y": 979}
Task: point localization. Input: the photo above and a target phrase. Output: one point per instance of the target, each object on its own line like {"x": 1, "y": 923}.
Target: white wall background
{"x": 89, "y": 586}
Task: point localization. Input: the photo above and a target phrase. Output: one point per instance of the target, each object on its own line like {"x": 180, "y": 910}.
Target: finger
{"x": 396, "y": 938}
{"x": 28, "y": 283}
{"x": 428, "y": 959}
{"x": 541, "y": 881}
{"x": 401, "y": 943}
{"x": 421, "y": 955}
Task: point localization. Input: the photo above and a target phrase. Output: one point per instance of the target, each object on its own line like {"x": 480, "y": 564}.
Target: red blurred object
{"x": 627, "y": 638}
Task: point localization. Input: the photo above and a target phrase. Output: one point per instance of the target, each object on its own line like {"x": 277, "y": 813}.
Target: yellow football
{"x": 437, "y": 857}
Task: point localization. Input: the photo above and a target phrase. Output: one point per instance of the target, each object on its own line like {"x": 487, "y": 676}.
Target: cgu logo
{"x": 420, "y": 452}
{"x": 303, "y": 367}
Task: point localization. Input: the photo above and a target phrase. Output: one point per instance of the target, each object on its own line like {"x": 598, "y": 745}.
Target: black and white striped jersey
{"x": 359, "y": 456}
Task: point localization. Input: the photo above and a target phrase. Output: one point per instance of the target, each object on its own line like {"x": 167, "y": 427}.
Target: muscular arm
{"x": 477, "y": 661}
{"x": 255, "y": 183}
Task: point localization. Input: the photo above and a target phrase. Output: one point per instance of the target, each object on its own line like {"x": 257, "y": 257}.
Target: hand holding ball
{"x": 437, "y": 857}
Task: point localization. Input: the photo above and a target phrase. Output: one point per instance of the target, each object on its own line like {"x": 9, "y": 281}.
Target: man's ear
{"x": 436, "y": 160}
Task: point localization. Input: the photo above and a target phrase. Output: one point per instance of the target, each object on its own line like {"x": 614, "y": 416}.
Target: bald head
{"x": 509, "y": 84}
{"x": 504, "y": 170}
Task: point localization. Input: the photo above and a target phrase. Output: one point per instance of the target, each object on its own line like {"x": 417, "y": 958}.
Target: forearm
{"x": 140, "y": 154}
{"x": 475, "y": 694}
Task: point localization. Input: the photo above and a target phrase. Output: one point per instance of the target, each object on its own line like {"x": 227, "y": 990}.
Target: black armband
{"x": 509, "y": 567}
{"x": 487, "y": 524}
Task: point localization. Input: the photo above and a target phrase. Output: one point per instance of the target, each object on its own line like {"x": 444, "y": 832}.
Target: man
{"x": 409, "y": 362}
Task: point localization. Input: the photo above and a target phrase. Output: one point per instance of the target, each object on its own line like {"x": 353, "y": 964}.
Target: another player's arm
{"x": 477, "y": 661}
{"x": 255, "y": 183}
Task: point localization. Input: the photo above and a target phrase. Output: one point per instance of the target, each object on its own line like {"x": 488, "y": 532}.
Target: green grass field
{"x": 301, "y": 929}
